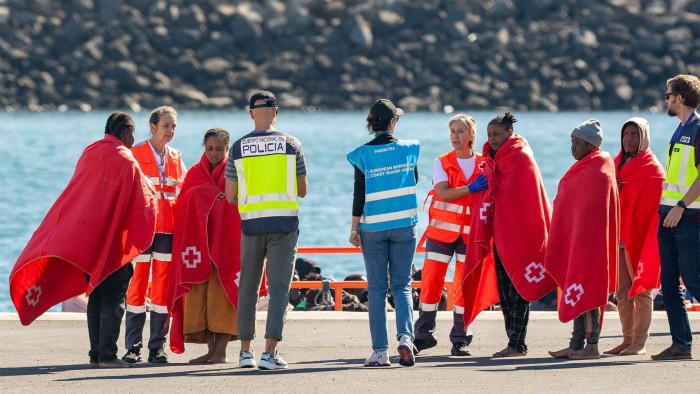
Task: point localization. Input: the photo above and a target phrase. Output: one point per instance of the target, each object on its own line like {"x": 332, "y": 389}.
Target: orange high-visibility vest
{"x": 165, "y": 190}
{"x": 450, "y": 219}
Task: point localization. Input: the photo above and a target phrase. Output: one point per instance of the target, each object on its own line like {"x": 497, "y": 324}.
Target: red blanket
{"x": 207, "y": 228}
{"x": 583, "y": 241}
{"x": 640, "y": 180}
{"x": 515, "y": 213}
{"x": 103, "y": 219}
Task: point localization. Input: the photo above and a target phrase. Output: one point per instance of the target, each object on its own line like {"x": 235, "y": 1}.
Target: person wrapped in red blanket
{"x": 640, "y": 179}
{"x": 583, "y": 240}
{"x": 203, "y": 291}
{"x": 102, "y": 220}
{"x": 513, "y": 216}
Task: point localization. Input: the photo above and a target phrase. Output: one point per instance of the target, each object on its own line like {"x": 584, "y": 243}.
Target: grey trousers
{"x": 586, "y": 329}
{"x": 280, "y": 251}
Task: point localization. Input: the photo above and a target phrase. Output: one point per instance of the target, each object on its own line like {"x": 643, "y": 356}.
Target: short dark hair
{"x": 119, "y": 122}
{"x": 506, "y": 121}
{"x": 686, "y": 86}
{"x": 223, "y": 134}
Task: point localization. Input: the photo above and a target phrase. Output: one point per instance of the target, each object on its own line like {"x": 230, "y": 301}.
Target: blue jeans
{"x": 388, "y": 258}
{"x": 679, "y": 248}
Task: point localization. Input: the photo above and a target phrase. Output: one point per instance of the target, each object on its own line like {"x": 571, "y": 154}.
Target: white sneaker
{"x": 246, "y": 359}
{"x": 406, "y": 356}
{"x": 267, "y": 362}
{"x": 379, "y": 358}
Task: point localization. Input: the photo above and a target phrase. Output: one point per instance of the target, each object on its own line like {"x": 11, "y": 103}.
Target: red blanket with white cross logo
{"x": 640, "y": 182}
{"x": 582, "y": 250}
{"x": 104, "y": 218}
{"x": 514, "y": 215}
{"x": 207, "y": 231}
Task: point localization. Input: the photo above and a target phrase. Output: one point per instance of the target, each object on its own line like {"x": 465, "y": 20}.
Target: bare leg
{"x": 220, "y": 343}
{"x": 270, "y": 346}
{"x": 245, "y": 346}
{"x": 207, "y": 357}
{"x": 625, "y": 306}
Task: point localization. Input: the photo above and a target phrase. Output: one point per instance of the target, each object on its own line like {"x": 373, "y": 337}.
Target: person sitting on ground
{"x": 582, "y": 248}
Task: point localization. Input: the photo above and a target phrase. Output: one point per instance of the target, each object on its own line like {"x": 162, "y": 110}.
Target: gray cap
{"x": 590, "y": 132}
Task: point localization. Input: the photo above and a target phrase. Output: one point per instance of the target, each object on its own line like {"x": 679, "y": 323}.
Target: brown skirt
{"x": 208, "y": 309}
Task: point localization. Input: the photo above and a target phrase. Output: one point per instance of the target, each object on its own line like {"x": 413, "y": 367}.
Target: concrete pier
{"x": 325, "y": 351}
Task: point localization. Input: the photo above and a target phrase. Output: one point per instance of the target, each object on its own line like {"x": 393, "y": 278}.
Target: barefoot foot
{"x": 509, "y": 352}
{"x": 634, "y": 350}
{"x": 201, "y": 360}
{"x": 617, "y": 349}
{"x": 563, "y": 353}
{"x": 590, "y": 352}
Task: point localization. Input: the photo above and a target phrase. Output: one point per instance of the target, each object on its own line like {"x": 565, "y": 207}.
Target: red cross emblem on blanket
{"x": 191, "y": 257}
{"x": 483, "y": 212}
{"x": 573, "y": 294}
{"x": 640, "y": 270}
{"x": 534, "y": 272}
{"x": 33, "y": 295}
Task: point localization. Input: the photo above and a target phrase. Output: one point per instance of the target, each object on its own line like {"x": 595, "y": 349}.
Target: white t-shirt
{"x": 467, "y": 166}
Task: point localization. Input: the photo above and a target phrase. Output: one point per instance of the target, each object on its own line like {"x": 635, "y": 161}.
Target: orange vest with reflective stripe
{"x": 450, "y": 219}
{"x": 165, "y": 191}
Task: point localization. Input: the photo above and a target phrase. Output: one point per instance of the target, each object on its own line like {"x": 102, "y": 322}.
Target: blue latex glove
{"x": 478, "y": 185}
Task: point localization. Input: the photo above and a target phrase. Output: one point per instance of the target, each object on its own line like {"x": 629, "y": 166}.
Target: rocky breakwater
{"x": 482, "y": 54}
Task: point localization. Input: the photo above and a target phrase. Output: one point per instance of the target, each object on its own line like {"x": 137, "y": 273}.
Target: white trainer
{"x": 246, "y": 359}
{"x": 267, "y": 362}
{"x": 379, "y": 358}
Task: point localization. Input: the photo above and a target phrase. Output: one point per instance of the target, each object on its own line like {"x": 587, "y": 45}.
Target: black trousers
{"x": 516, "y": 309}
{"x": 105, "y": 310}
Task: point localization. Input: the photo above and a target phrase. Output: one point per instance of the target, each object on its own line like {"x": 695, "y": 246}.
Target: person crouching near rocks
{"x": 582, "y": 248}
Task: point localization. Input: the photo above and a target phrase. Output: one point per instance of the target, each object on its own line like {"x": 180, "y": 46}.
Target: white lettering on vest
{"x": 265, "y": 145}
{"x": 389, "y": 170}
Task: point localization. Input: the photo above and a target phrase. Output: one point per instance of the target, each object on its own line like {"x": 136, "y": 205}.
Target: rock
{"x": 289, "y": 100}
{"x": 360, "y": 32}
{"x": 187, "y": 93}
{"x": 4, "y": 14}
{"x": 192, "y": 17}
{"x": 186, "y": 66}
{"x": 502, "y": 9}
{"x": 108, "y": 10}
{"x": 216, "y": 65}
{"x": 125, "y": 73}
{"x": 246, "y": 25}
{"x": 679, "y": 35}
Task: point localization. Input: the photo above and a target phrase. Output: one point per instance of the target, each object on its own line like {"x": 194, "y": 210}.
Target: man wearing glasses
{"x": 679, "y": 227}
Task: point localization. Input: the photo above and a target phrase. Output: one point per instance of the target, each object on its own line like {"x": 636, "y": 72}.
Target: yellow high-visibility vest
{"x": 267, "y": 183}
{"x": 681, "y": 170}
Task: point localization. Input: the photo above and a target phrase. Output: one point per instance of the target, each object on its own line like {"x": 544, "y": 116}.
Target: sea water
{"x": 38, "y": 153}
